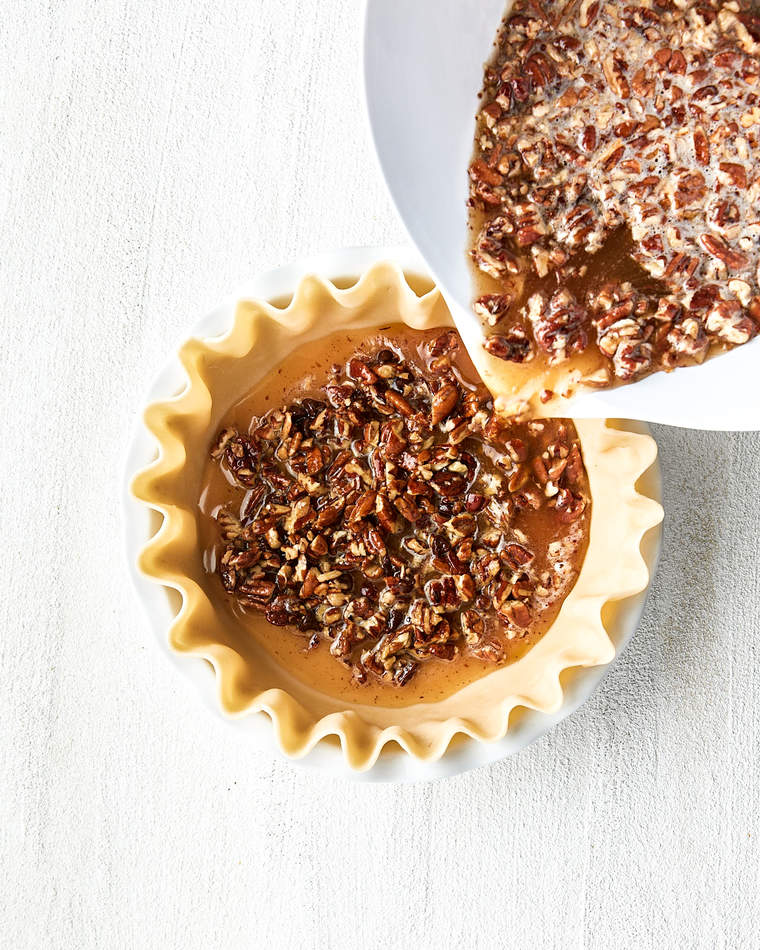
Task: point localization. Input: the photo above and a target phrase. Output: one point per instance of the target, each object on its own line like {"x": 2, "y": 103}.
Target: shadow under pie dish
{"x": 358, "y": 596}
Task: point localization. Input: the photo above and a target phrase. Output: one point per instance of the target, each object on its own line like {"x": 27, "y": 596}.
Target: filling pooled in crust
{"x": 387, "y": 515}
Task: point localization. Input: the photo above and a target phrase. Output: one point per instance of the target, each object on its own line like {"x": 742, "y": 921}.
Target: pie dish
{"x": 613, "y": 192}
{"x": 219, "y": 372}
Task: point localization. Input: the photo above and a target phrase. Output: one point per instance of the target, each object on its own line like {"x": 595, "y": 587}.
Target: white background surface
{"x": 153, "y": 156}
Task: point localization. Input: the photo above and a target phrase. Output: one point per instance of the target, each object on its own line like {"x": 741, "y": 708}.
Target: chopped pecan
{"x": 492, "y": 307}
{"x": 514, "y": 346}
{"x": 717, "y": 247}
{"x": 559, "y": 324}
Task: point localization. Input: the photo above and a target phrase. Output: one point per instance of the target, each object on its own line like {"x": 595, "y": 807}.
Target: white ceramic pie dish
{"x": 139, "y": 527}
{"x": 423, "y": 64}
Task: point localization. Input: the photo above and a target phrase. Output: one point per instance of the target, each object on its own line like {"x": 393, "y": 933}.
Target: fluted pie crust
{"x": 218, "y": 372}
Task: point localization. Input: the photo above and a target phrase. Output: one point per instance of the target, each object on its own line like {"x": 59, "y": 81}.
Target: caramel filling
{"x": 378, "y": 530}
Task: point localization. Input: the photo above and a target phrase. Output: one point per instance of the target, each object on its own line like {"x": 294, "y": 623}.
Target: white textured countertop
{"x": 154, "y": 155}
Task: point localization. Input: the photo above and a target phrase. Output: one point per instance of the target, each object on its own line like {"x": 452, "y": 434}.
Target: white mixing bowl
{"x": 423, "y": 66}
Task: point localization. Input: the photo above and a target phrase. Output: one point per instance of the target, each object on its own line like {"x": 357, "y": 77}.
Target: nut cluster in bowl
{"x": 616, "y": 182}
{"x": 391, "y": 517}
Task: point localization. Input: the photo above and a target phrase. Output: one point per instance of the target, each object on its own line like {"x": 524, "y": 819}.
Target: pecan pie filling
{"x": 615, "y": 186}
{"x": 376, "y": 512}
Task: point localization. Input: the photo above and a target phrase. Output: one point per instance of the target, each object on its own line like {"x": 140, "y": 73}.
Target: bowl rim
{"x": 346, "y": 264}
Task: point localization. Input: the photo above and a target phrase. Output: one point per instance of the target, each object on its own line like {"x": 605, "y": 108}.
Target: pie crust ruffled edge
{"x": 219, "y": 371}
